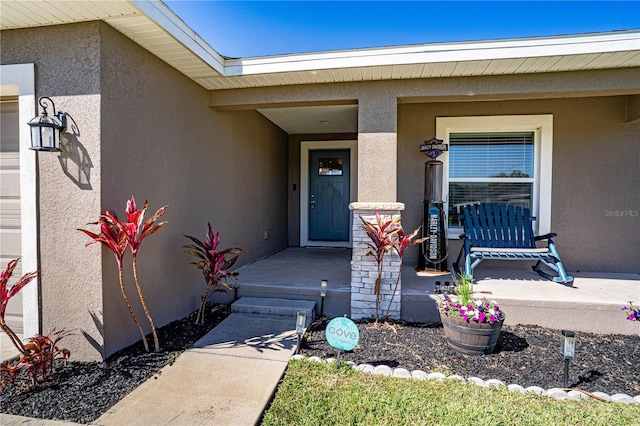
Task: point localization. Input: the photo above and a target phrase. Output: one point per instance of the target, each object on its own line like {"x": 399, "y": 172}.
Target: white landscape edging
{"x": 557, "y": 393}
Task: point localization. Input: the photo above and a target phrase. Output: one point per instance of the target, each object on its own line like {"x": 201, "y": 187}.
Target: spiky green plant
{"x": 464, "y": 287}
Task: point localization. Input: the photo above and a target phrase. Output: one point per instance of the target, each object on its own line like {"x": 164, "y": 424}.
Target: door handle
{"x": 313, "y": 204}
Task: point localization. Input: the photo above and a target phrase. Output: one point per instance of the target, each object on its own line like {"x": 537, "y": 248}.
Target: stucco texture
{"x": 67, "y": 64}
{"x": 162, "y": 142}
{"x": 141, "y": 129}
{"x": 596, "y": 154}
{"x": 596, "y": 173}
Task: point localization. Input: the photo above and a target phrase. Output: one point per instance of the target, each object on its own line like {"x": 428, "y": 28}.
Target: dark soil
{"x": 81, "y": 392}
{"x": 524, "y": 355}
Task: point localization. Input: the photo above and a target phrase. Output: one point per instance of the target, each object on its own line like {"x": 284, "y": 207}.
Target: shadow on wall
{"x": 99, "y": 326}
{"x": 74, "y": 158}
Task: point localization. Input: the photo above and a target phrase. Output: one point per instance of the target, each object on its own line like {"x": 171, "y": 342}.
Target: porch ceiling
{"x": 155, "y": 27}
{"x": 314, "y": 119}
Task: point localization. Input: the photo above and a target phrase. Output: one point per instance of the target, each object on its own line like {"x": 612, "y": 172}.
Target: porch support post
{"x": 364, "y": 269}
{"x": 377, "y": 148}
{"x": 377, "y": 191}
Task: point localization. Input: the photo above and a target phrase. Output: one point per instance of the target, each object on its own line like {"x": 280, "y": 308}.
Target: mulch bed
{"x": 526, "y": 355}
{"x": 82, "y": 391}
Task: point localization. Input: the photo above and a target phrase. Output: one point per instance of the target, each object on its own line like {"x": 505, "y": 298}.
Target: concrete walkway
{"x": 7, "y": 350}
{"x": 227, "y": 378}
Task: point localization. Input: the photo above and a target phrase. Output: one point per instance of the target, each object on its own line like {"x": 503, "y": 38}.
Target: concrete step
{"x": 337, "y": 302}
{"x": 275, "y": 307}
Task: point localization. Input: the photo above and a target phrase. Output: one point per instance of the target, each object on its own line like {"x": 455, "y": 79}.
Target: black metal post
{"x": 566, "y": 373}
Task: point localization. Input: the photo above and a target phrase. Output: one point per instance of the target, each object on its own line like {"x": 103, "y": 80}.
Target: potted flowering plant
{"x": 471, "y": 326}
{"x": 632, "y": 312}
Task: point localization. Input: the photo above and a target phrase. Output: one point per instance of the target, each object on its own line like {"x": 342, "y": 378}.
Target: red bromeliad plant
{"x": 400, "y": 244}
{"x": 117, "y": 236}
{"x": 214, "y": 265}
{"x": 114, "y": 238}
{"x": 381, "y": 234}
{"x": 7, "y": 294}
{"x": 38, "y": 360}
{"x": 387, "y": 235}
{"x": 136, "y": 231}
{"x": 42, "y": 352}
{"x": 38, "y": 355}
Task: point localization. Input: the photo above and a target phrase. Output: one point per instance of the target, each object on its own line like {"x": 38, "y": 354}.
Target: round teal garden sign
{"x": 342, "y": 333}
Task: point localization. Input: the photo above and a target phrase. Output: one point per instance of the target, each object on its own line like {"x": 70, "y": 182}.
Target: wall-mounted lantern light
{"x": 568, "y": 349}
{"x": 45, "y": 129}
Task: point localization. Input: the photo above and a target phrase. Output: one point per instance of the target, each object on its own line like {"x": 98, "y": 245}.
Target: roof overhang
{"x": 152, "y": 25}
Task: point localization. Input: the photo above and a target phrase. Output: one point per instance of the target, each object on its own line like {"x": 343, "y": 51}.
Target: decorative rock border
{"x": 557, "y": 393}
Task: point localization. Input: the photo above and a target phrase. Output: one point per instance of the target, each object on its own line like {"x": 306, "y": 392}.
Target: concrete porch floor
{"x": 593, "y": 304}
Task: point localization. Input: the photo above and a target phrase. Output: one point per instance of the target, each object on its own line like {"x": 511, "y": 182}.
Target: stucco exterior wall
{"x": 67, "y": 67}
{"x": 162, "y": 142}
{"x": 596, "y": 154}
{"x": 140, "y": 128}
{"x": 377, "y": 147}
{"x": 600, "y": 95}
{"x": 595, "y": 157}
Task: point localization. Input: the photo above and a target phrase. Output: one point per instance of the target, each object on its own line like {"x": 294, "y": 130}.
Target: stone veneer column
{"x": 364, "y": 269}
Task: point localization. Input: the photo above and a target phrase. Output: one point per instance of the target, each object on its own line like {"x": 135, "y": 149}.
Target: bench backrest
{"x": 498, "y": 225}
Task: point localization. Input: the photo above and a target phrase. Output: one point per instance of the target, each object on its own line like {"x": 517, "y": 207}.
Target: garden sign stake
{"x": 342, "y": 334}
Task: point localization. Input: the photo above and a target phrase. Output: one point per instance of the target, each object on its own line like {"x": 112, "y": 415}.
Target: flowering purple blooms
{"x": 479, "y": 310}
{"x": 633, "y": 313}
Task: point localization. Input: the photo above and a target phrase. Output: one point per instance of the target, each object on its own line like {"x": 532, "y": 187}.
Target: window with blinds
{"x": 490, "y": 167}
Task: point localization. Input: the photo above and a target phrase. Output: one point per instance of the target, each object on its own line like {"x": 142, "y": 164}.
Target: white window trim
{"x": 542, "y": 127}
{"x": 305, "y": 147}
{"x": 19, "y": 79}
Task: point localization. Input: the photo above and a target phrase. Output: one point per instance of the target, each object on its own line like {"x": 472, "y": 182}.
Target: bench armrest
{"x": 463, "y": 236}
{"x": 545, "y": 237}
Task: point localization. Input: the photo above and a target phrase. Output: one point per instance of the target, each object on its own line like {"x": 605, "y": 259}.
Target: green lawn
{"x": 316, "y": 394}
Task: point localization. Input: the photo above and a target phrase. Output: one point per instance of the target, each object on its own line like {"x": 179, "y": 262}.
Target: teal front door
{"x": 329, "y": 179}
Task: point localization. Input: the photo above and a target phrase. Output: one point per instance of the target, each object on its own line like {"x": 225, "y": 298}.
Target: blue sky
{"x": 258, "y": 28}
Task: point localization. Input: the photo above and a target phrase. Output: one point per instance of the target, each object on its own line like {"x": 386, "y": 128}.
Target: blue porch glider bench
{"x": 505, "y": 232}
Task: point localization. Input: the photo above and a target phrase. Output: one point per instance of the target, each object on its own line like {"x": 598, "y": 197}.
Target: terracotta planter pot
{"x": 471, "y": 338}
